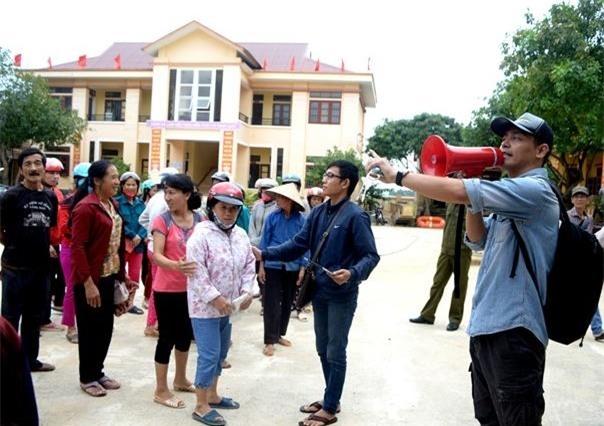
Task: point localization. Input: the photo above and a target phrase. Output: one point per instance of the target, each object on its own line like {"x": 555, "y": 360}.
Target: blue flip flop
{"x": 226, "y": 404}
{"x": 211, "y": 418}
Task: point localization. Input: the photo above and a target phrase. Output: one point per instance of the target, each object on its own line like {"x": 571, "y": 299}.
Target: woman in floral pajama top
{"x": 225, "y": 272}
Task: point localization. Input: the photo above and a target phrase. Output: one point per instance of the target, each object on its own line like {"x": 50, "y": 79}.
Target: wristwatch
{"x": 399, "y": 177}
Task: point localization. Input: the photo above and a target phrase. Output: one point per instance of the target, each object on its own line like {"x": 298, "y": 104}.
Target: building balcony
{"x": 105, "y": 117}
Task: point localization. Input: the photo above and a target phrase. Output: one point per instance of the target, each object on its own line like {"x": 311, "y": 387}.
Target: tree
{"x": 314, "y": 176}
{"x": 555, "y": 69}
{"x": 398, "y": 139}
{"x": 29, "y": 115}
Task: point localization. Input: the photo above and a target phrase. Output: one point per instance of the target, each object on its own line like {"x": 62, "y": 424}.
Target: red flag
{"x": 318, "y": 65}
{"x": 18, "y": 60}
{"x": 49, "y": 63}
{"x": 342, "y": 67}
{"x": 82, "y": 61}
{"x": 264, "y": 64}
{"x": 117, "y": 62}
{"x": 292, "y": 64}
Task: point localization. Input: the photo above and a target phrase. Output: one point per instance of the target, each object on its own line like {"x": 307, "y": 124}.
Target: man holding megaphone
{"x": 507, "y": 329}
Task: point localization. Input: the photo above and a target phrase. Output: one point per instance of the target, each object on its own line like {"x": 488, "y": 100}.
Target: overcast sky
{"x": 432, "y": 56}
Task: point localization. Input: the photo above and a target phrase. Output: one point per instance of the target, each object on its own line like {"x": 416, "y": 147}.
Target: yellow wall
{"x": 143, "y": 153}
{"x": 243, "y": 165}
{"x": 145, "y": 103}
{"x": 189, "y": 48}
{"x": 264, "y": 153}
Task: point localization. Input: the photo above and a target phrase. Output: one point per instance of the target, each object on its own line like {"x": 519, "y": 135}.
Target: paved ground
{"x": 398, "y": 373}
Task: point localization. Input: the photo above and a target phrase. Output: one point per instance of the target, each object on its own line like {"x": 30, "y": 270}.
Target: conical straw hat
{"x": 289, "y": 191}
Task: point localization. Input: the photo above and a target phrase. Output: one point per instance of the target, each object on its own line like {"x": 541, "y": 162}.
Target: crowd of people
{"x": 86, "y": 254}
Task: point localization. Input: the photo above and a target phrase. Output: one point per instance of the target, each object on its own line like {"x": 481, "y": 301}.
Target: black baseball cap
{"x": 527, "y": 123}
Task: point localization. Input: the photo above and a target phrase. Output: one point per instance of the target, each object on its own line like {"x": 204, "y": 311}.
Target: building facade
{"x": 199, "y": 102}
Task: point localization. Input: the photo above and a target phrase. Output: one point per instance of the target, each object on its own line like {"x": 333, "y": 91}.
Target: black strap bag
{"x": 574, "y": 283}
{"x": 308, "y": 288}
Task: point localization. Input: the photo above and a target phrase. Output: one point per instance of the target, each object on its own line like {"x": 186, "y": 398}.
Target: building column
{"x": 155, "y": 151}
{"x": 226, "y": 152}
{"x": 97, "y": 150}
{"x": 273, "y": 171}
{"x": 79, "y": 103}
{"x": 296, "y": 154}
{"x": 130, "y": 152}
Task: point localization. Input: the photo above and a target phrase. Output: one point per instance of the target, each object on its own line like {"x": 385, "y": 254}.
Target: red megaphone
{"x": 439, "y": 159}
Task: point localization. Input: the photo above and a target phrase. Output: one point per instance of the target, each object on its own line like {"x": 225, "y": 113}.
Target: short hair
{"x": 347, "y": 171}
{"x": 30, "y": 151}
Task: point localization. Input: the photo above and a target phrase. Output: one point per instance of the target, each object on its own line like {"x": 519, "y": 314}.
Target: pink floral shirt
{"x": 225, "y": 267}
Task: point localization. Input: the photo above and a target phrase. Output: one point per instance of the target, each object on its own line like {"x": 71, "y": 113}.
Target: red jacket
{"x": 91, "y": 231}
{"x": 55, "y": 231}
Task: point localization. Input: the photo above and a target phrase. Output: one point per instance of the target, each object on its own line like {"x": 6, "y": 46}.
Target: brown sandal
{"x": 315, "y": 418}
{"x": 314, "y": 407}
{"x": 109, "y": 383}
{"x": 93, "y": 389}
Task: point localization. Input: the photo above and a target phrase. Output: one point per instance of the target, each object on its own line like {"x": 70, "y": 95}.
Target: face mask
{"x": 223, "y": 225}
{"x": 130, "y": 192}
{"x": 266, "y": 198}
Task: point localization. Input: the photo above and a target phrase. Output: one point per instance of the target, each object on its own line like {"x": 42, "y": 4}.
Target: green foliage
{"x": 314, "y": 176}
{"x": 250, "y": 197}
{"x": 29, "y": 115}
{"x": 555, "y": 69}
{"x": 397, "y": 139}
{"x": 119, "y": 164}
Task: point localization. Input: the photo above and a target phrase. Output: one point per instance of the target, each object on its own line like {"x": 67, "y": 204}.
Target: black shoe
{"x": 420, "y": 320}
{"x": 600, "y": 337}
{"x": 452, "y": 326}
{"x": 136, "y": 310}
{"x": 42, "y": 367}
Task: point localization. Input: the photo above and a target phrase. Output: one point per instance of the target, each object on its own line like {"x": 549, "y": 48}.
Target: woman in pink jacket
{"x": 221, "y": 283}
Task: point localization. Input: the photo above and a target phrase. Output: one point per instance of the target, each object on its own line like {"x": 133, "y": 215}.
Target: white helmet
{"x": 221, "y": 176}
{"x": 263, "y": 183}
{"x": 167, "y": 171}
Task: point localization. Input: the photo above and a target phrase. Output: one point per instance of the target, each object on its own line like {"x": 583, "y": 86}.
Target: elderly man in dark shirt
{"x": 578, "y": 216}
{"x": 27, "y": 212}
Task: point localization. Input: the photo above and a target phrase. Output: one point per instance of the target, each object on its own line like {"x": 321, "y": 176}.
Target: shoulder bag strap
{"x": 315, "y": 257}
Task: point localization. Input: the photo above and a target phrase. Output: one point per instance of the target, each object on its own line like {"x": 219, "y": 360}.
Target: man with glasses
{"x": 347, "y": 257}
{"x": 27, "y": 212}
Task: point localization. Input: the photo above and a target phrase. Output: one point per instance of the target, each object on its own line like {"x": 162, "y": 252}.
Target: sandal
{"x": 315, "y": 407}
{"x": 302, "y": 316}
{"x": 284, "y": 342}
{"x": 226, "y": 404}
{"x": 211, "y": 418}
{"x": 315, "y": 418}
{"x": 225, "y": 364}
{"x": 109, "y": 383}
{"x": 72, "y": 338}
{"x": 171, "y": 402}
{"x": 93, "y": 389}
{"x": 189, "y": 388}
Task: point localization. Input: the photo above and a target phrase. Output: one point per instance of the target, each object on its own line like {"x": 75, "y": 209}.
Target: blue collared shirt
{"x": 350, "y": 245}
{"x": 131, "y": 211}
{"x": 501, "y": 303}
{"x": 279, "y": 229}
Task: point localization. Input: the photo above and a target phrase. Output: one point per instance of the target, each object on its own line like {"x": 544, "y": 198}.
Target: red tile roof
{"x": 277, "y": 56}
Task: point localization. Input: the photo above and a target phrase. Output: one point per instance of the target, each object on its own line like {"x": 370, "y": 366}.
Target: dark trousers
{"x": 57, "y": 284}
{"x": 24, "y": 299}
{"x": 146, "y": 275}
{"x": 260, "y": 285}
{"x": 333, "y": 318}
{"x": 279, "y": 293}
{"x": 173, "y": 323}
{"x": 444, "y": 271}
{"x": 95, "y": 328}
{"x": 507, "y": 378}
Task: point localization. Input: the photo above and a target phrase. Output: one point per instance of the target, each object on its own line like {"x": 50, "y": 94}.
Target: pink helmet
{"x": 226, "y": 192}
{"x": 54, "y": 165}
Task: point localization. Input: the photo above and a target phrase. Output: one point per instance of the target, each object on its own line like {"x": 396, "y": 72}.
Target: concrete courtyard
{"x": 398, "y": 373}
